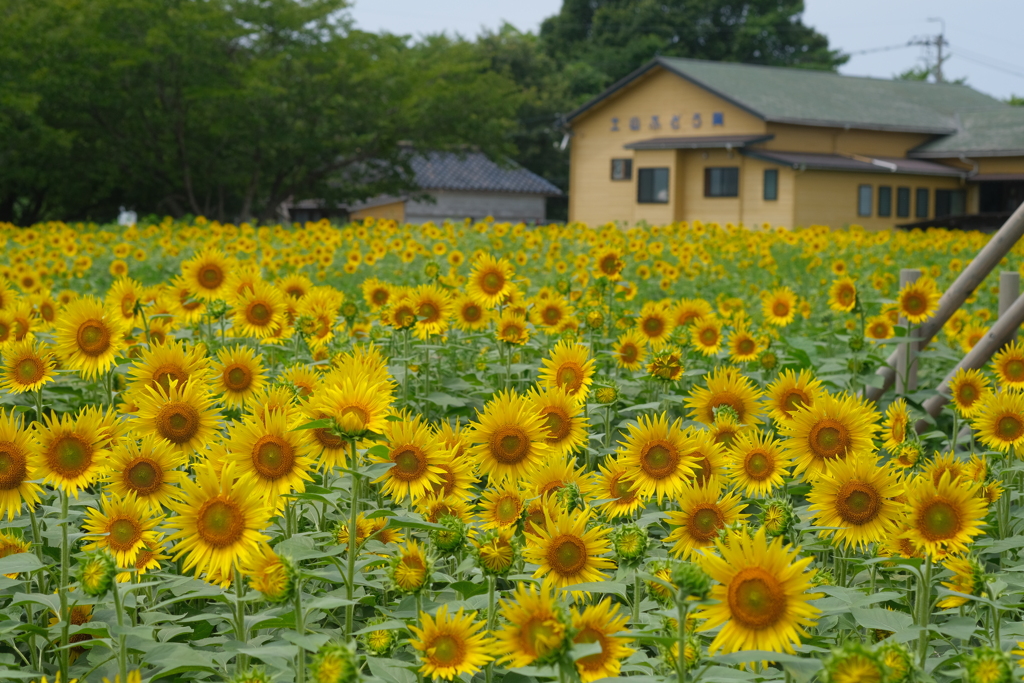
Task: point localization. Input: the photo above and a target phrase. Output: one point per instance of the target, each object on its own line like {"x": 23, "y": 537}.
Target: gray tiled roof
{"x": 473, "y": 171}
{"x": 838, "y": 162}
{"x": 699, "y": 142}
{"x": 987, "y": 132}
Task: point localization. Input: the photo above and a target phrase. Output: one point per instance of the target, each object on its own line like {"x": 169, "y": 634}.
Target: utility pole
{"x": 939, "y": 41}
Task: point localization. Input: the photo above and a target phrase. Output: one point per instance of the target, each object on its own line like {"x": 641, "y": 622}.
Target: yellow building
{"x": 684, "y": 139}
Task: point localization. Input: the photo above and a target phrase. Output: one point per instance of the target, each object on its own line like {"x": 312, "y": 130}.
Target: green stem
{"x": 122, "y": 645}
{"x": 681, "y": 635}
{"x": 39, "y": 405}
{"x": 65, "y": 613}
{"x": 300, "y": 626}
{"x": 637, "y": 596}
{"x": 350, "y": 574}
{"x": 491, "y": 584}
{"x": 240, "y": 631}
{"x": 924, "y": 596}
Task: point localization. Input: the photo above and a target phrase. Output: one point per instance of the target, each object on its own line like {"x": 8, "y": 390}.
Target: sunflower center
{"x": 220, "y": 522}
{"x": 492, "y": 282}
{"x": 258, "y": 313}
{"x": 178, "y": 422}
{"x": 780, "y": 309}
{"x": 272, "y": 456}
{"x": 705, "y": 521}
{"x": 237, "y": 377}
{"x": 446, "y": 651}
{"x": 328, "y": 440}
{"x": 211, "y": 276}
{"x": 846, "y": 295}
{"x": 124, "y": 533}
{"x": 659, "y": 459}
{"x": 968, "y": 394}
{"x": 551, "y": 315}
{"x": 914, "y": 304}
{"x": 429, "y": 312}
{"x": 128, "y": 306}
{"x": 5, "y": 330}
{"x": 758, "y": 465}
{"x": 704, "y": 470}
{"x": 899, "y": 430}
{"x": 727, "y": 398}
{"x": 540, "y": 635}
{"x": 708, "y": 336}
{"x": 13, "y": 466}
{"x": 756, "y": 598}
{"x": 570, "y": 377}
{"x": 653, "y": 327}
{"x": 354, "y": 418}
{"x": 69, "y": 456}
{"x": 28, "y": 371}
{"x": 143, "y": 476}
{"x": 472, "y": 313}
{"x": 591, "y": 635}
{"x": 510, "y": 445}
{"x": 93, "y": 337}
{"x": 507, "y": 510}
{"x": 558, "y": 423}
{"x": 622, "y": 489}
{"x": 629, "y": 353}
{"x": 858, "y": 502}
{"x": 166, "y": 373}
{"x": 380, "y": 296}
{"x": 793, "y": 399}
{"x": 567, "y": 554}
{"x": 746, "y": 346}
{"x": 1010, "y": 427}
{"x": 410, "y": 463}
{"x": 939, "y": 520}
{"x": 610, "y": 264}
{"x": 829, "y": 438}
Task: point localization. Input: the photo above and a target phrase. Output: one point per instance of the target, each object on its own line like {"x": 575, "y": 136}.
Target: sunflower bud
{"x": 661, "y": 569}
{"x": 496, "y": 552}
{"x": 410, "y": 568}
{"x": 334, "y": 663}
{"x": 854, "y": 662}
{"x": 379, "y": 643}
{"x": 451, "y": 538}
{"x": 96, "y": 573}
{"x": 630, "y": 542}
{"x": 768, "y": 360}
{"x": 988, "y": 665}
{"x": 595, "y": 320}
{"x": 692, "y": 581}
{"x": 606, "y": 394}
{"x": 569, "y": 497}
{"x": 898, "y": 662}
{"x": 856, "y": 342}
{"x": 777, "y": 516}
{"x": 855, "y": 365}
{"x": 254, "y": 675}
{"x": 823, "y": 577}
{"x": 431, "y": 270}
{"x": 272, "y": 575}
{"x": 725, "y": 411}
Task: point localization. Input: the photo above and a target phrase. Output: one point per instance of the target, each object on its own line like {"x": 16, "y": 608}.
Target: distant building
{"x": 463, "y": 186}
{"x": 684, "y": 139}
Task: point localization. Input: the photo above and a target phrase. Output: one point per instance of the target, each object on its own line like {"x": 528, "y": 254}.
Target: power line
{"x": 879, "y": 49}
{"x": 985, "y": 61}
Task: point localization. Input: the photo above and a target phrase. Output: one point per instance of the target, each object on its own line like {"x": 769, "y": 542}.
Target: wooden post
{"x": 1009, "y": 290}
{"x": 977, "y": 358}
{"x": 906, "y": 361}
{"x": 954, "y": 297}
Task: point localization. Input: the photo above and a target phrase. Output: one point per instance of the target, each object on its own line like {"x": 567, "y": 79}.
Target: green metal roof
{"x": 988, "y": 132}
{"x": 823, "y": 98}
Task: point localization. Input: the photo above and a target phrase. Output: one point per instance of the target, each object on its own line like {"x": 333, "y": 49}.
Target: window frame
{"x": 922, "y": 206}
{"x": 709, "y": 171}
{"x": 772, "y": 196}
{"x": 884, "y": 203}
{"x": 653, "y": 170}
{"x": 903, "y": 207}
{"x": 627, "y": 165}
{"x": 865, "y": 192}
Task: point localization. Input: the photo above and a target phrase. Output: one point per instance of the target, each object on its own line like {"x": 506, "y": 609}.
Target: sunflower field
{"x": 501, "y": 453}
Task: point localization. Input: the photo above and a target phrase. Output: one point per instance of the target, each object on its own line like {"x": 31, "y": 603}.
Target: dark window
{"x": 885, "y": 201}
{"x": 950, "y": 202}
{"x": 903, "y": 202}
{"x": 622, "y": 169}
{"x": 722, "y": 182}
{"x": 771, "y": 184}
{"x": 864, "y": 200}
{"x": 652, "y": 186}
{"x": 921, "y": 203}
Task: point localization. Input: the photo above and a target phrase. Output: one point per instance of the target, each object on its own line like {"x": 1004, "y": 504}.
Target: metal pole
{"x": 954, "y": 297}
{"x": 1009, "y": 290}
{"x": 978, "y": 357}
{"x": 906, "y": 362}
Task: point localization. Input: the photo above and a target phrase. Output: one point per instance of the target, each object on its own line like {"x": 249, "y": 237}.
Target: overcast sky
{"x": 983, "y": 34}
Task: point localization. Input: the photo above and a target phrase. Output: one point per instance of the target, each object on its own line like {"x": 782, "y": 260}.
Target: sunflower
{"x": 159, "y": 365}
{"x": 599, "y": 623}
{"x": 433, "y": 507}
{"x": 706, "y": 335}
{"x": 238, "y": 374}
{"x": 630, "y": 350}
{"x": 725, "y": 387}
{"x": 184, "y": 415}
{"x": 833, "y": 427}
{"x": 944, "y": 517}
{"x": 302, "y": 378}
{"x": 19, "y": 453}
{"x": 206, "y": 273}
{"x": 269, "y": 457}
{"x": 613, "y": 485}
{"x": 710, "y": 456}
{"x": 688, "y": 310}
{"x": 655, "y": 324}
{"x": 88, "y": 338}
{"x": 918, "y": 300}
{"x": 124, "y": 296}
{"x": 666, "y": 365}
{"x": 779, "y": 306}
{"x": 703, "y": 513}
{"x": 150, "y": 470}
{"x": 659, "y": 456}
{"x": 842, "y": 295}
{"x": 218, "y": 523}
{"x": 537, "y": 625}
{"x": 376, "y": 293}
{"x": 416, "y": 454}
{"x": 270, "y": 574}
{"x": 968, "y": 578}
{"x": 879, "y": 328}
{"x": 757, "y": 463}
{"x": 761, "y": 599}
{"x": 568, "y": 368}
{"x": 11, "y": 544}
{"x": 260, "y": 313}
{"x": 123, "y": 526}
{"x": 470, "y": 316}
{"x": 28, "y": 365}
{"x": 968, "y": 388}
{"x": 458, "y": 475}
{"x": 743, "y": 346}
{"x": 511, "y": 328}
{"x": 509, "y": 437}
{"x": 569, "y": 552}
{"x": 490, "y": 280}
{"x": 1008, "y": 365}
{"x": 556, "y": 473}
{"x": 501, "y": 506}
{"x": 451, "y": 646}
{"x": 858, "y": 496}
{"x": 894, "y": 429}
{"x": 999, "y": 420}
{"x": 791, "y": 391}
{"x": 551, "y": 313}
{"x": 357, "y": 403}
{"x": 563, "y": 417}
{"x": 433, "y": 308}
{"x": 72, "y": 450}
{"x": 410, "y": 567}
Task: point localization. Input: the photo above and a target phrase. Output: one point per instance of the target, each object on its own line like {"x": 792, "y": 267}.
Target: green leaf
{"x": 392, "y": 625}
{"x": 311, "y": 642}
{"x": 881, "y": 619}
{"x": 20, "y": 563}
{"x": 409, "y": 523}
{"x": 325, "y": 423}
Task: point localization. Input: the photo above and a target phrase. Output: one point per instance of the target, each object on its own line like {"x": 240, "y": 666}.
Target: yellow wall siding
{"x": 655, "y": 214}
{"x": 791, "y": 138}
{"x": 593, "y": 196}
{"x": 999, "y": 164}
{"x": 394, "y": 211}
{"x": 830, "y": 198}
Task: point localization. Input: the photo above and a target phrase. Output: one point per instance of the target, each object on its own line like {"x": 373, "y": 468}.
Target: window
{"x": 885, "y": 201}
{"x": 722, "y": 182}
{"x": 903, "y": 202}
{"x": 950, "y": 202}
{"x": 771, "y": 184}
{"x": 622, "y": 169}
{"x": 921, "y": 203}
{"x": 864, "y": 200}
{"x": 652, "y": 186}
